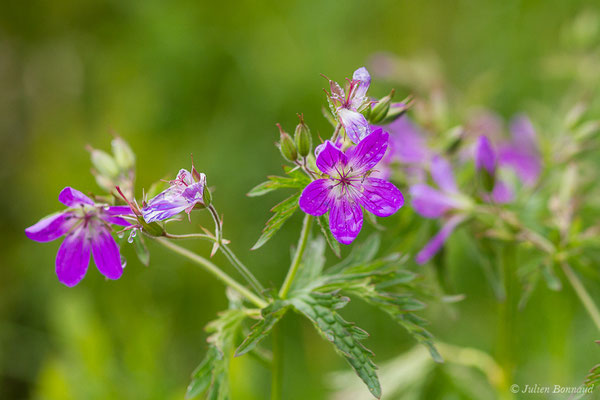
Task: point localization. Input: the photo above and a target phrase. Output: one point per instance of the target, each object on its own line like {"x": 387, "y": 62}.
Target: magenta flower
{"x": 522, "y": 153}
{"x": 347, "y": 186}
{"x": 86, "y": 226}
{"x": 183, "y": 194}
{"x": 348, "y": 104}
{"x": 445, "y": 202}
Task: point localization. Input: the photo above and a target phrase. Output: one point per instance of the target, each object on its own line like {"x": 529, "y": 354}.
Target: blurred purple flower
{"x": 348, "y": 103}
{"x": 435, "y": 203}
{"x": 486, "y": 159}
{"x": 86, "y": 226}
{"x": 183, "y": 194}
{"x": 348, "y": 186}
{"x": 522, "y": 153}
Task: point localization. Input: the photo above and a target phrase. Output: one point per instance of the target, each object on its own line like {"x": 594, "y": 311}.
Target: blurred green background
{"x": 212, "y": 79}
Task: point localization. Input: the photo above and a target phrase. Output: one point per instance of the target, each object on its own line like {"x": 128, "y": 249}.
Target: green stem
{"x": 190, "y": 236}
{"x": 277, "y": 364}
{"x": 287, "y": 284}
{"x": 336, "y": 132}
{"x": 241, "y": 268}
{"x": 213, "y": 269}
{"x": 583, "y": 295}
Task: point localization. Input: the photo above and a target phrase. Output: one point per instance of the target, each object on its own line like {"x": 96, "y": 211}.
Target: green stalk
{"x": 583, "y": 295}
{"x": 287, "y": 284}
{"x": 241, "y": 268}
{"x": 213, "y": 269}
{"x": 277, "y": 365}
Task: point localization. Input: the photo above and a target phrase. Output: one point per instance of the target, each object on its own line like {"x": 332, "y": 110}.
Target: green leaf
{"x": 320, "y": 309}
{"x": 211, "y": 376}
{"x": 141, "y": 250}
{"x": 333, "y": 244}
{"x": 283, "y": 211}
{"x": 270, "y": 316}
{"x": 296, "y": 179}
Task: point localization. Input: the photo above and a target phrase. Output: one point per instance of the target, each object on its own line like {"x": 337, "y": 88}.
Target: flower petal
{"x": 436, "y": 243}
{"x": 363, "y": 78}
{"x": 73, "y": 257}
{"x": 315, "y": 197}
{"x": 365, "y": 155}
{"x": 330, "y": 159}
{"x": 51, "y": 227}
{"x": 184, "y": 176}
{"x": 106, "y": 253}
{"x": 502, "y": 193}
{"x": 441, "y": 172}
{"x": 345, "y": 220}
{"x": 194, "y": 193}
{"x": 523, "y": 134}
{"x": 430, "y": 202}
{"x": 355, "y": 124}
{"x": 406, "y": 142}
{"x": 72, "y": 197}
{"x": 485, "y": 157}
{"x": 527, "y": 166}
{"x": 112, "y": 215}
{"x": 380, "y": 197}
{"x": 165, "y": 205}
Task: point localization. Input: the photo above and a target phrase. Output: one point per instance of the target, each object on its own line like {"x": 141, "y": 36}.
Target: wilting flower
{"x": 350, "y": 102}
{"x": 446, "y": 202}
{"x": 86, "y": 226}
{"x": 183, "y": 194}
{"x": 347, "y": 186}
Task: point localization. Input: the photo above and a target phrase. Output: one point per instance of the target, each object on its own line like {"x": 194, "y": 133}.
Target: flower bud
{"x": 123, "y": 154}
{"x": 379, "y": 112}
{"x": 104, "y": 163}
{"x": 395, "y": 111}
{"x": 206, "y": 196}
{"x": 303, "y": 138}
{"x": 286, "y": 146}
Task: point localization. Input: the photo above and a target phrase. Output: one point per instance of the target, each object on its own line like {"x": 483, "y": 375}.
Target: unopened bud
{"x": 104, "y": 163}
{"x": 287, "y": 146}
{"x": 395, "y": 111}
{"x": 379, "y": 112}
{"x": 152, "y": 229}
{"x": 303, "y": 138}
{"x": 124, "y": 156}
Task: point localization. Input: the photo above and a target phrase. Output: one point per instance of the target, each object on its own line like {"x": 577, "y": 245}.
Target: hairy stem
{"x": 338, "y": 127}
{"x": 583, "y": 295}
{"x": 241, "y": 268}
{"x": 287, "y": 284}
{"x": 213, "y": 269}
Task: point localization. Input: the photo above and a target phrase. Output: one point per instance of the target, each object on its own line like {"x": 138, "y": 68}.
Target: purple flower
{"x": 347, "y": 186}
{"x": 348, "y": 104}
{"x": 435, "y": 203}
{"x": 183, "y": 194}
{"x": 522, "y": 153}
{"x": 86, "y": 226}
{"x": 486, "y": 159}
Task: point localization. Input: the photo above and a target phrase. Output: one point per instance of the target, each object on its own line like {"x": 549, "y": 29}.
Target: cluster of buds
{"x": 298, "y": 147}
{"x": 114, "y": 170}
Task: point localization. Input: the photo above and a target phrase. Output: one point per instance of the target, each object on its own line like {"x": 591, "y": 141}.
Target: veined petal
{"x": 366, "y": 154}
{"x": 330, "y": 159}
{"x": 441, "y": 172}
{"x": 315, "y": 197}
{"x": 485, "y": 157}
{"x": 165, "y": 205}
{"x": 185, "y": 176}
{"x": 73, "y": 257}
{"x": 194, "y": 193}
{"x": 51, "y": 227}
{"x": 106, "y": 253}
{"x": 72, "y": 197}
{"x": 345, "y": 220}
{"x": 380, "y": 197}
{"x": 112, "y": 215}
{"x": 363, "y": 78}
{"x": 436, "y": 243}
{"x": 355, "y": 124}
{"x": 429, "y": 202}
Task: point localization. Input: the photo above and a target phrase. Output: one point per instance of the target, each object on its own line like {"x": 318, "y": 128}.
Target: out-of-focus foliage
{"x": 211, "y": 78}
